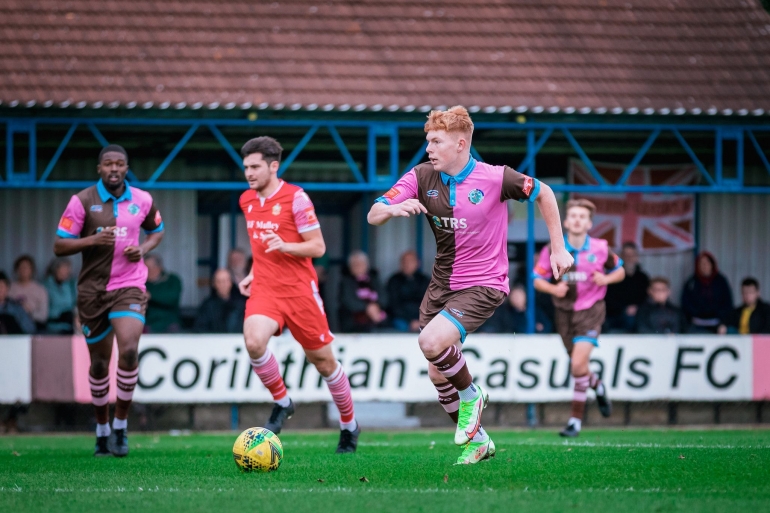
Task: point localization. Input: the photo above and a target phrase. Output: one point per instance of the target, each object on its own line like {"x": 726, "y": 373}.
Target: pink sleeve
{"x": 71, "y": 222}
{"x": 543, "y": 266}
{"x": 405, "y": 188}
{"x": 304, "y": 213}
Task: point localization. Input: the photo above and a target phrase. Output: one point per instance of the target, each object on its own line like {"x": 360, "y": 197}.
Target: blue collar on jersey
{"x": 452, "y": 181}
{"x": 106, "y": 195}
{"x": 586, "y": 245}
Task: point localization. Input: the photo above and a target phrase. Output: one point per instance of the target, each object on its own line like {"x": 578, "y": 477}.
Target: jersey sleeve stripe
{"x": 156, "y": 230}
{"x": 309, "y": 228}
{"x": 535, "y": 191}
{"x": 65, "y": 235}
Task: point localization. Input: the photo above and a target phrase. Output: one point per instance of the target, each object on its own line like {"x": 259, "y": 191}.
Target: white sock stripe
{"x": 100, "y": 401}
{"x": 97, "y": 388}
{"x": 445, "y": 387}
{"x": 262, "y": 360}
{"x": 579, "y": 396}
{"x": 125, "y": 395}
{"x": 128, "y": 373}
{"x": 99, "y": 381}
{"x": 336, "y": 376}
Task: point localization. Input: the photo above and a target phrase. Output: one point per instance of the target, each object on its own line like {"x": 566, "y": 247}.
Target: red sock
{"x": 449, "y": 399}
{"x": 339, "y": 386}
{"x": 100, "y": 397}
{"x": 266, "y": 368}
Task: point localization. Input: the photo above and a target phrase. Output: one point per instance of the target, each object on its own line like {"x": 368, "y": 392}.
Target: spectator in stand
{"x": 237, "y": 265}
{"x": 753, "y": 316}
{"x": 62, "y": 296}
{"x": 31, "y": 294}
{"x": 223, "y": 310}
{"x": 658, "y": 314}
{"x": 360, "y": 297}
{"x": 165, "y": 291}
{"x": 624, "y": 299}
{"x": 511, "y": 316}
{"x": 706, "y": 297}
{"x": 405, "y": 291}
{"x": 14, "y": 320}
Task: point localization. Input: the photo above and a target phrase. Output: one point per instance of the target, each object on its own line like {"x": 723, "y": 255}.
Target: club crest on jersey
{"x": 433, "y": 193}
{"x": 591, "y": 258}
{"x": 276, "y": 209}
{"x": 437, "y": 222}
{"x": 476, "y": 196}
{"x": 133, "y": 209}
{"x": 96, "y": 208}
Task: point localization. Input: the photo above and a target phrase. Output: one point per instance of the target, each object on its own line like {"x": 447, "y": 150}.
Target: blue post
{"x": 32, "y": 152}
{"x": 233, "y": 223}
{"x": 531, "y": 414}
{"x": 234, "y": 413}
{"x": 718, "y": 156}
{"x": 530, "y": 261}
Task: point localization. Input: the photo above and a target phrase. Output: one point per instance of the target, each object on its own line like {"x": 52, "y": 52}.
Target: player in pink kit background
{"x": 579, "y": 300}
{"x": 464, "y": 201}
{"x": 103, "y": 222}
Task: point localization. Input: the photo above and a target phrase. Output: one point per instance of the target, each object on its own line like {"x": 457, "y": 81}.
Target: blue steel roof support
{"x": 298, "y": 148}
{"x": 371, "y": 181}
{"x": 416, "y": 159}
{"x": 589, "y": 165}
{"x": 693, "y": 156}
{"x": 638, "y": 157}
{"x": 226, "y": 145}
{"x": 346, "y": 154}
{"x": 529, "y": 160}
{"x": 762, "y": 155}
{"x": 59, "y": 151}
{"x": 476, "y": 154}
{"x": 174, "y": 152}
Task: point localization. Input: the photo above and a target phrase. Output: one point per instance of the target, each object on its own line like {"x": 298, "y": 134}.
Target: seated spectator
{"x": 706, "y": 296}
{"x": 360, "y": 296}
{"x": 14, "y": 320}
{"x": 223, "y": 310}
{"x": 657, "y": 314}
{"x": 31, "y": 294}
{"x": 237, "y": 265}
{"x": 405, "y": 291}
{"x": 753, "y": 316}
{"x": 165, "y": 291}
{"x": 62, "y": 296}
{"x": 624, "y": 298}
{"x": 511, "y": 316}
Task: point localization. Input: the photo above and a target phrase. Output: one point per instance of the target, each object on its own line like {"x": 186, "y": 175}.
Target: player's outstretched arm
{"x": 561, "y": 260}
{"x": 380, "y": 213}
{"x": 71, "y": 246}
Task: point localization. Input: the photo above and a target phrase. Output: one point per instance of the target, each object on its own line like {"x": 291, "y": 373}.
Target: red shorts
{"x": 303, "y": 315}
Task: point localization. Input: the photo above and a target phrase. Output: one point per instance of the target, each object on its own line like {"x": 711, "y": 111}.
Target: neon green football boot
{"x": 469, "y": 420}
{"x": 474, "y": 452}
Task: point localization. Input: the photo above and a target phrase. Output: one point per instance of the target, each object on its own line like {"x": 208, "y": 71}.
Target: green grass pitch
{"x": 603, "y": 470}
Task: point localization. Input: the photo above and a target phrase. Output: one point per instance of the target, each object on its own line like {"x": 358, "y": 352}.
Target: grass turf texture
{"x": 603, "y": 470}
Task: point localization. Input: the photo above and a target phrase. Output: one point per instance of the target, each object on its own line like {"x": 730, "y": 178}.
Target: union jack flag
{"x": 657, "y": 223}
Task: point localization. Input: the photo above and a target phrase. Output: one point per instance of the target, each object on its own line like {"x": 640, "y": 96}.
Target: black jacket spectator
{"x": 223, "y": 310}
{"x": 360, "y": 297}
{"x": 624, "y": 298}
{"x": 405, "y": 291}
{"x": 706, "y": 298}
{"x": 14, "y": 320}
{"x": 511, "y": 316}
{"x": 759, "y": 316}
{"x": 660, "y": 318}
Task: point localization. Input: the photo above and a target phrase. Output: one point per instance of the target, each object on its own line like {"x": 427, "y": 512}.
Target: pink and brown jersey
{"x": 583, "y": 293}
{"x": 105, "y": 268}
{"x": 469, "y": 219}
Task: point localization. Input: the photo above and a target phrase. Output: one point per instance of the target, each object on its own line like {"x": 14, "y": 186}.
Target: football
{"x": 258, "y": 449}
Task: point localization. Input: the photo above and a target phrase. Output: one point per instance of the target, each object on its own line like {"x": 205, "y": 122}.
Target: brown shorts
{"x": 580, "y": 326}
{"x": 468, "y": 309}
{"x": 96, "y": 310}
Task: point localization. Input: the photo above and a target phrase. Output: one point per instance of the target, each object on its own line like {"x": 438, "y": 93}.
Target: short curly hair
{"x": 456, "y": 119}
